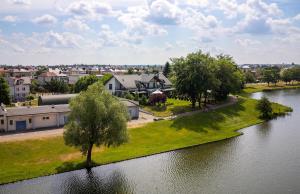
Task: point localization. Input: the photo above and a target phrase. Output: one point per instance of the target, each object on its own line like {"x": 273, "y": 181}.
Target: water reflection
{"x": 96, "y": 181}
{"x": 264, "y": 129}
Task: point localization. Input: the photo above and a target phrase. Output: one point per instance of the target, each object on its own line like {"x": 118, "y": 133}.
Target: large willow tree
{"x": 96, "y": 118}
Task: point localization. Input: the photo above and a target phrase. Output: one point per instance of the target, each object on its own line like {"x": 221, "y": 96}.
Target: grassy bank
{"x": 259, "y": 87}
{"x": 28, "y": 159}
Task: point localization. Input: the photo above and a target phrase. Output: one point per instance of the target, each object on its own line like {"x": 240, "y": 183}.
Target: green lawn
{"x": 33, "y": 158}
{"x": 172, "y": 107}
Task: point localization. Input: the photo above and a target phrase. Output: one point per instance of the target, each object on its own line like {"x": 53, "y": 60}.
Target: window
{"x": 17, "y": 89}
{"x": 45, "y": 118}
{"x": 29, "y": 120}
{"x": 2, "y": 121}
{"x": 11, "y": 122}
{"x": 110, "y": 86}
{"x": 23, "y": 88}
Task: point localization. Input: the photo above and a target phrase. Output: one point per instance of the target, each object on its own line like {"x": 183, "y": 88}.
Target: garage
{"x": 20, "y": 125}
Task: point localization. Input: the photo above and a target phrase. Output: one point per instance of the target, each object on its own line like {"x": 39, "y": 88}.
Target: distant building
{"x": 18, "y": 73}
{"x": 19, "y": 88}
{"x": 141, "y": 84}
{"x": 48, "y": 76}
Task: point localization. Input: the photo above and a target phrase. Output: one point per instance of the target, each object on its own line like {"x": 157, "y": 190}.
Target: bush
{"x": 128, "y": 96}
{"x": 30, "y": 97}
{"x": 264, "y": 106}
{"x": 143, "y": 100}
{"x": 157, "y": 99}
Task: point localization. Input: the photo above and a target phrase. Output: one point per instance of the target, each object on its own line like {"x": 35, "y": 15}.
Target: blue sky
{"x": 147, "y": 31}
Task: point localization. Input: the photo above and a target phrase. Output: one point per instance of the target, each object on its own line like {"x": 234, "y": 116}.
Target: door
{"x": 20, "y": 125}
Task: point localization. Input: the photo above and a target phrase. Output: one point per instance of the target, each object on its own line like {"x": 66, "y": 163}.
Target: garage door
{"x": 20, "y": 125}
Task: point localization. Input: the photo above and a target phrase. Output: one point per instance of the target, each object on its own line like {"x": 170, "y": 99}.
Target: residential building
{"x": 30, "y": 118}
{"x": 48, "y": 76}
{"x": 19, "y": 88}
{"x": 18, "y": 73}
{"x": 141, "y": 84}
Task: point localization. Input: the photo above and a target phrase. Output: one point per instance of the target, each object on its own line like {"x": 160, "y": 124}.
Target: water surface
{"x": 266, "y": 159}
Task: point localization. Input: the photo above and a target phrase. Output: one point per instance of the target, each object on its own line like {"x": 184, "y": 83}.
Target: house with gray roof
{"x": 141, "y": 84}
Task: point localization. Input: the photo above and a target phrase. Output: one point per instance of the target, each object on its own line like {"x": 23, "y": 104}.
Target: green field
{"x": 33, "y": 158}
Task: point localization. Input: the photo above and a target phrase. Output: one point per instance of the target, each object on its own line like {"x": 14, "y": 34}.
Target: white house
{"x": 19, "y": 87}
{"x": 27, "y": 118}
{"x": 142, "y": 84}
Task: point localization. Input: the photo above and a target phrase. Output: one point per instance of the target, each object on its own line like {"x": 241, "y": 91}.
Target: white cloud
{"x": 76, "y": 24}
{"x": 63, "y": 40}
{"x": 89, "y": 9}
{"x": 21, "y": 2}
{"x": 297, "y": 17}
{"x": 229, "y": 7}
{"x": 197, "y": 3}
{"x": 247, "y": 42}
{"x": 45, "y": 19}
{"x": 14, "y": 47}
{"x": 164, "y": 12}
{"x": 10, "y": 18}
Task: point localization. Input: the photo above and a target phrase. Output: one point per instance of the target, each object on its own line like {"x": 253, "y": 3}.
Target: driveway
{"x": 143, "y": 119}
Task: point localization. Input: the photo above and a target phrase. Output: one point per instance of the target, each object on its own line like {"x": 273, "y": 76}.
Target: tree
{"x": 4, "y": 92}
{"x": 96, "y": 118}
{"x": 271, "y": 75}
{"x": 230, "y": 77}
{"x": 286, "y": 75}
{"x": 167, "y": 69}
{"x": 130, "y": 71}
{"x": 84, "y": 82}
{"x": 57, "y": 86}
{"x": 264, "y": 106}
{"x": 249, "y": 77}
{"x": 194, "y": 76}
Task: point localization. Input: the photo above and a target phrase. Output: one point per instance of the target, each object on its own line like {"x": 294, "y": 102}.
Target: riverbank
{"x": 260, "y": 87}
{"x": 33, "y": 158}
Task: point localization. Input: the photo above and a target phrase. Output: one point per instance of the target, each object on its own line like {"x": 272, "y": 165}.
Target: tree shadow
{"x": 200, "y": 122}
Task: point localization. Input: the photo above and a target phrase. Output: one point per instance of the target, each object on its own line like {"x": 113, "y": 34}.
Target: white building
{"x": 141, "y": 84}
{"x": 19, "y": 87}
{"x": 27, "y": 118}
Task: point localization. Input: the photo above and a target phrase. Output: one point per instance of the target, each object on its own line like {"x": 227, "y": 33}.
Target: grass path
{"x": 33, "y": 158}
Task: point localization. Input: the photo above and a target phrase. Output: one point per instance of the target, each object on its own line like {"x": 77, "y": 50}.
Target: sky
{"x": 50, "y": 32}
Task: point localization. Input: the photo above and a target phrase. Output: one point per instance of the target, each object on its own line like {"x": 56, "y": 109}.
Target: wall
{"x": 134, "y": 112}
{"x": 39, "y": 122}
{"x": 113, "y": 82}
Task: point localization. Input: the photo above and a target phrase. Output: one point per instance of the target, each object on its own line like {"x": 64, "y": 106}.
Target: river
{"x": 266, "y": 159}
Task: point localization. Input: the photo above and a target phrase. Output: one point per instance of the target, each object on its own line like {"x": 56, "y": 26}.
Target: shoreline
{"x": 163, "y": 150}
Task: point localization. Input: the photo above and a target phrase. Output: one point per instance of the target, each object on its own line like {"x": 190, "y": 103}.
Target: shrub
{"x": 143, "y": 100}
{"x": 128, "y": 96}
{"x": 157, "y": 99}
{"x": 264, "y": 106}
